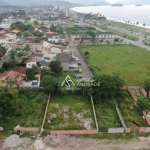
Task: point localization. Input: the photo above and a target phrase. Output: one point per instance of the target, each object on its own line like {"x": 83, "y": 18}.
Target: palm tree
{"x": 27, "y": 48}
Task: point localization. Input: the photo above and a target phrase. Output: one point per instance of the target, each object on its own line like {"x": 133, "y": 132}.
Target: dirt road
{"x": 74, "y": 143}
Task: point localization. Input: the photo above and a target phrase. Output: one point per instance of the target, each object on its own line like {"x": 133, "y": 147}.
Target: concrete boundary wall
{"x": 116, "y": 130}
{"x": 134, "y": 87}
{"x": 95, "y": 118}
{"x": 1, "y": 129}
{"x": 144, "y": 130}
{"x": 120, "y": 117}
{"x": 73, "y": 132}
{"x": 44, "y": 118}
{"x": 146, "y": 117}
{"x": 143, "y": 91}
{"x": 24, "y": 129}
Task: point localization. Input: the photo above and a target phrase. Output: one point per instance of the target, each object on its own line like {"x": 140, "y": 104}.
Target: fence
{"x": 96, "y": 123}
{"x": 120, "y": 117}
{"x": 143, "y": 91}
{"x": 116, "y": 130}
{"x": 144, "y": 130}
{"x": 45, "y": 114}
{"x": 73, "y": 132}
{"x": 146, "y": 117}
{"x": 24, "y": 129}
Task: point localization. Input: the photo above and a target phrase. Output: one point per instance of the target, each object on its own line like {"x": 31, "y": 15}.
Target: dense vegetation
{"x": 2, "y": 51}
{"x": 22, "y": 107}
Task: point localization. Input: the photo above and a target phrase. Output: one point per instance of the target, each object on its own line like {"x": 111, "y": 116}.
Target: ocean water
{"x": 130, "y": 13}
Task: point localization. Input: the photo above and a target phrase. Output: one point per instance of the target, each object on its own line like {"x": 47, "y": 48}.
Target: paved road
{"x": 86, "y": 72}
{"x": 127, "y": 41}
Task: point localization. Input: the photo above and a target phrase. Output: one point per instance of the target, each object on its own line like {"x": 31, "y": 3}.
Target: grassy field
{"x": 71, "y": 24}
{"x": 71, "y": 111}
{"x": 128, "y": 26}
{"x": 131, "y": 114}
{"x": 31, "y": 107}
{"x": 130, "y": 62}
{"x": 107, "y": 117}
{"x": 130, "y": 37}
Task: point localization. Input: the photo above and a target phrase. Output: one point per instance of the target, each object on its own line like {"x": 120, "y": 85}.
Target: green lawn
{"x": 71, "y": 24}
{"x": 129, "y": 61}
{"x": 107, "y": 117}
{"x": 69, "y": 112}
{"x": 131, "y": 114}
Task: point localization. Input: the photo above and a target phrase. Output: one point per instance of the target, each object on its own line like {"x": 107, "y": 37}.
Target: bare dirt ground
{"x": 67, "y": 142}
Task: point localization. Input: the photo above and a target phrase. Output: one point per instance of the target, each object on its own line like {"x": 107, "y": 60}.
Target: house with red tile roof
{"x": 14, "y": 75}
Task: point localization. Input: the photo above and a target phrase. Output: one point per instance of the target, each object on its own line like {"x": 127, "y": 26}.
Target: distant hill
{"x": 138, "y": 5}
{"x": 40, "y": 2}
{"x": 117, "y": 4}
{"x": 90, "y": 2}
{"x": 2, "y": 2}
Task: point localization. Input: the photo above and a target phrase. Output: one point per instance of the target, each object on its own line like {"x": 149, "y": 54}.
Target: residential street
{"x": 86, "y": 72}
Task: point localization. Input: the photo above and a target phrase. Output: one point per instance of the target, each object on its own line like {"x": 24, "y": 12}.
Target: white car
{"x": 76, "y": 58}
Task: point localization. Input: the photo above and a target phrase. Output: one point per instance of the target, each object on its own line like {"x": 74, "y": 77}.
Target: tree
{"x": 27, "y": 48}
{"x": 105, "y": 87}
{"x": 116, "y": 40}
{"x": 53, "y": 28}
{"x": 147, "y": 86}
{"x": 37, "y": 33}
{"x": 92, "y": 34}
{"x": 9, "y": 83}
{"x": 5, "y": 65}
{"x": 35, "y": 22}
{"x": 29, "y": 74}
{"x": 56, "y": 67}
{"x": 143, "y": 104}
{"x": 34, "y": 69}
{"x": 19, "y": 55}
{"x": 86, "y": 53}
{"x": 12, "y": 55}
{"x": 49, "y": 84}
{"x": 45, "y": 72}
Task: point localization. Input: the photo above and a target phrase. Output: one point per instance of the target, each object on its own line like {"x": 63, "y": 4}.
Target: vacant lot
{"x": 30, "y": 107}
{"x": 107, "y": 116}
{"x": 132, "y": 115}
{"x": 71, "y": 111}
{"x": 130, "y": 62}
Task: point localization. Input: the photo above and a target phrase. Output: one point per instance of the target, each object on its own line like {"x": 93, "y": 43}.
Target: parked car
{"x": 79, "y": 77}
{"x": 76, "y": 58}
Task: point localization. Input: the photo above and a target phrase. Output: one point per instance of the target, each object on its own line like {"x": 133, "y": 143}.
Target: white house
{"x": 56, "y": 39}
{"x": 30, "y": 62}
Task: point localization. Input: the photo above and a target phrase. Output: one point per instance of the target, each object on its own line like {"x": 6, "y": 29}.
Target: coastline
{"x": 118, "y": 18}
{"x": 133, "y": 23}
